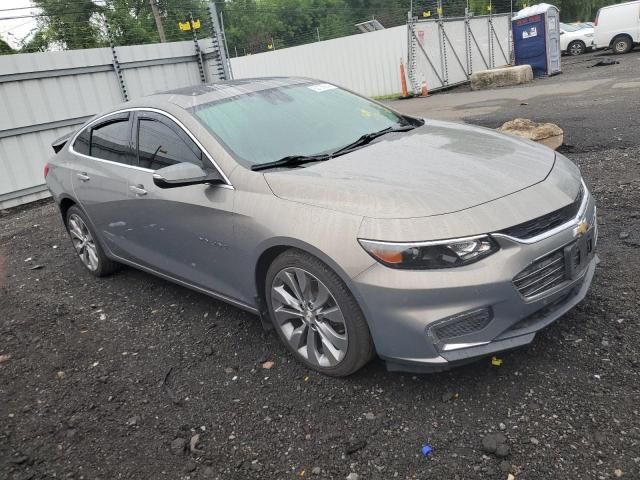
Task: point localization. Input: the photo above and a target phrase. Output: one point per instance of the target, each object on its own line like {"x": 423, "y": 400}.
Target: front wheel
{"x": 576, "y": 48}
{"x": 316, "y": 316}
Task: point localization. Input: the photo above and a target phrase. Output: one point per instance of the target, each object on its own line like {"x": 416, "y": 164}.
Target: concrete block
{"x": 501, "y": 77}
{"x": 548, "y": 134}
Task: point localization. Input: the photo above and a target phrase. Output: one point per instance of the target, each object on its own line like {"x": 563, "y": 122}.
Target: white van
{"x": 618, "y": 27}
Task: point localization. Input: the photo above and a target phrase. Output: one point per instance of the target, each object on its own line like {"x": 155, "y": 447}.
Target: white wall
{"x": 368, "y": 63}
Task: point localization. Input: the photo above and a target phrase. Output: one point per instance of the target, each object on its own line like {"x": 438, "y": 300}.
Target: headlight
{"x": 431, "y": 255}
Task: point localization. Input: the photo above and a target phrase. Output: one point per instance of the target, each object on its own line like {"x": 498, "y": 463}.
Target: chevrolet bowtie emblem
{"x": 582, "y": 228}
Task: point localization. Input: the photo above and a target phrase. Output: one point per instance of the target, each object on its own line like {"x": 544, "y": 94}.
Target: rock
{"x": 353, "y": 476}
{"x": 501, "y": 77}
{"x": 492, "y": 441}
{"x": 502, "y": 450}
{"x": 316, "y": 470}
{"x": 369, "y": 416}
{"x": 505, "y": 466}
{"x": 534, "y": 441}
{"x": 618, "y": 473}
{"x": 133, "y": 421}
{"x": 502, "y": 426}
{"x": 208, "y": 350}
{"x": 547, "y": 134}
{"x": 5, "y": 358}
{"x": 193, "y": 444}
{"x": 190, "y": 466}
{"x": 353, "y": 447}
{"x": 178, "y": 446}
{"x": 268, "y": 365}
{"x": 447, "y": 396}
{"x": 624, "y": 235}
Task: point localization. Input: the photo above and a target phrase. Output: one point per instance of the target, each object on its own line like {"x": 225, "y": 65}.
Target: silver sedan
{"x": 349, "y": 228}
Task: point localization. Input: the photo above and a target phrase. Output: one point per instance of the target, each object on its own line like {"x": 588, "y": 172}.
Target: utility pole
{"x": 318, "y": 33}
{"x": 156, "y": 15}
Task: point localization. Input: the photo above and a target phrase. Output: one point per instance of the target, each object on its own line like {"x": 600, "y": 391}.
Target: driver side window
{"x": 160, "y": 146}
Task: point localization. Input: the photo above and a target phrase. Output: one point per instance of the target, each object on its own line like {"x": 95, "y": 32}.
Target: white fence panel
{"x": 45, "y": 95}
{"x": 367, "y": 63}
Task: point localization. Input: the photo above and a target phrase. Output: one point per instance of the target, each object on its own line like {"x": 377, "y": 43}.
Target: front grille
{"x": 547, "y": 310}
{"x": 464, "y": 324}
{"x": 542, "y": 275}
{"x": 547, "y": 222}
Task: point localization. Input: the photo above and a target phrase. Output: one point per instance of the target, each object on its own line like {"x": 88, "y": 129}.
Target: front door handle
{"x": 138, "y": 190}
{"x": 83, "y": 177}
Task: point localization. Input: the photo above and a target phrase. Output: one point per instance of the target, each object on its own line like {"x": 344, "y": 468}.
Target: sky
{"x": 14, "y": 30}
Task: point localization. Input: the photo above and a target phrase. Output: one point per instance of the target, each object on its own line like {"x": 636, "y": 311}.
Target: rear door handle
{"x": 138, "y": 190}
{"x": 83, "y": 177}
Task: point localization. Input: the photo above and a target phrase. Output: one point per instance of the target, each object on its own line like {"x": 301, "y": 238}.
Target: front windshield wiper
{"x": 291, "y": 161}
{"x": 369, "y": 137}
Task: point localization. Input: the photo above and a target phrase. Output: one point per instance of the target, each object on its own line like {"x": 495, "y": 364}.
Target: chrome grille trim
{"x": 549, "y": 233}
{"x": 542, "y": 275}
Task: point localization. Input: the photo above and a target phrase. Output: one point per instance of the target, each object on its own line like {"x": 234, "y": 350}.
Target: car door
{"x": 103, "y": 160}
{"x": 183, "y": 232}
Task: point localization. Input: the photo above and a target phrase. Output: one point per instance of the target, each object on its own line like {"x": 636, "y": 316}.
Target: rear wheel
{"x": 87, "y": 245}
{"x": 621, "y": 45}
{"x": 316, "y": 316}
{"x": 576, "y": 48}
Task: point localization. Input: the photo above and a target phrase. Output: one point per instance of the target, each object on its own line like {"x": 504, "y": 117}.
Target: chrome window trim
{"x": 153, "y": 110}
{"x": 560, "y": 228}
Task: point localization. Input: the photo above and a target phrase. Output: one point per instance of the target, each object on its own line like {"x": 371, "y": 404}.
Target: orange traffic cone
{"x": 424, "y": 91}
{"x": 403, "y": 80}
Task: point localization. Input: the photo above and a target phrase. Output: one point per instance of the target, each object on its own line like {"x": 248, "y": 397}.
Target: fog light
{"x": 443, "y": 331}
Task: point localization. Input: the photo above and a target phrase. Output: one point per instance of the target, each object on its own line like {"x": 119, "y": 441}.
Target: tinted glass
{"x": 111, "y": 142}
{"x": 160, "y": 146}
{"x": 82, "y": 142}
{"x": 305, "y": 119}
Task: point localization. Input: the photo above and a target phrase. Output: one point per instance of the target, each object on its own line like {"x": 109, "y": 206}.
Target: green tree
{"x": 5, "y": 48}
{"x": 68, "y": 26}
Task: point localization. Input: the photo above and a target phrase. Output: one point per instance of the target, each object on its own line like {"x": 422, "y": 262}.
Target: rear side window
{"x": 160, "y": 146}
{"x": 82, "y": 142}
{"x": 111, "y": 141}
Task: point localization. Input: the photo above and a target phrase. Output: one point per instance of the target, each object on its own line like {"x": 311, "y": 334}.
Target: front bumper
{"x": 402, "y": 307}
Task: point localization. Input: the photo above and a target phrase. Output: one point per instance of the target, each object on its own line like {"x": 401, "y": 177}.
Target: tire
{"x": 87, "y": 245}
{"x": 621, "y": 45}
{"x": 326, "y": 331}
{"x": 577, "y": 47}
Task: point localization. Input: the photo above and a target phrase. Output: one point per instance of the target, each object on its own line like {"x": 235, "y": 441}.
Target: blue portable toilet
{"x": 536, "y": 39}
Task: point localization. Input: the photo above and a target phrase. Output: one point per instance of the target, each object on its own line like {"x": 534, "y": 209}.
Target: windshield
{"x": 569, "y": 28}
{"x": 301, "y": 119}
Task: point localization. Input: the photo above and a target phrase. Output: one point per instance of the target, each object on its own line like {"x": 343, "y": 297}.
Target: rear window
{"x": 81, "y": 144}
{"x": 111, "y": 142}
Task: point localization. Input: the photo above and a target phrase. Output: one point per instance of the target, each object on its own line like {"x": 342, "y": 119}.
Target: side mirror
{"x": 184, "y": 174}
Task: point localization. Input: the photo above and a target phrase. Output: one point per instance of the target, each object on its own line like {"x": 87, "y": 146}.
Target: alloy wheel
{"x": 83, "y": 242}
{"x": 576, "y": 49}
{"x": 309, "y": 317}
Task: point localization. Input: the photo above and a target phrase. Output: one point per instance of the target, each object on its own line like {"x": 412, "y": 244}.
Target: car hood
{"x": 436, "y": 169}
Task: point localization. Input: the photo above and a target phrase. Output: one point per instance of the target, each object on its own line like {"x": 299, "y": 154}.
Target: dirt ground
{"x": 133, "y": 377}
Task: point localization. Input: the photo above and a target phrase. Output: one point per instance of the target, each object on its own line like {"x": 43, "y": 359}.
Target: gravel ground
{"x": 133, "y": 377}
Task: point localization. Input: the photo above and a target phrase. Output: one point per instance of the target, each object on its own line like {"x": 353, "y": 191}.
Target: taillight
{"x": 46, "y": 170}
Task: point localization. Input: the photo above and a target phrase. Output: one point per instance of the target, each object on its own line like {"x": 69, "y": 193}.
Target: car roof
{"x": 195, "y": 95}
{"x": 192, "y": 96}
